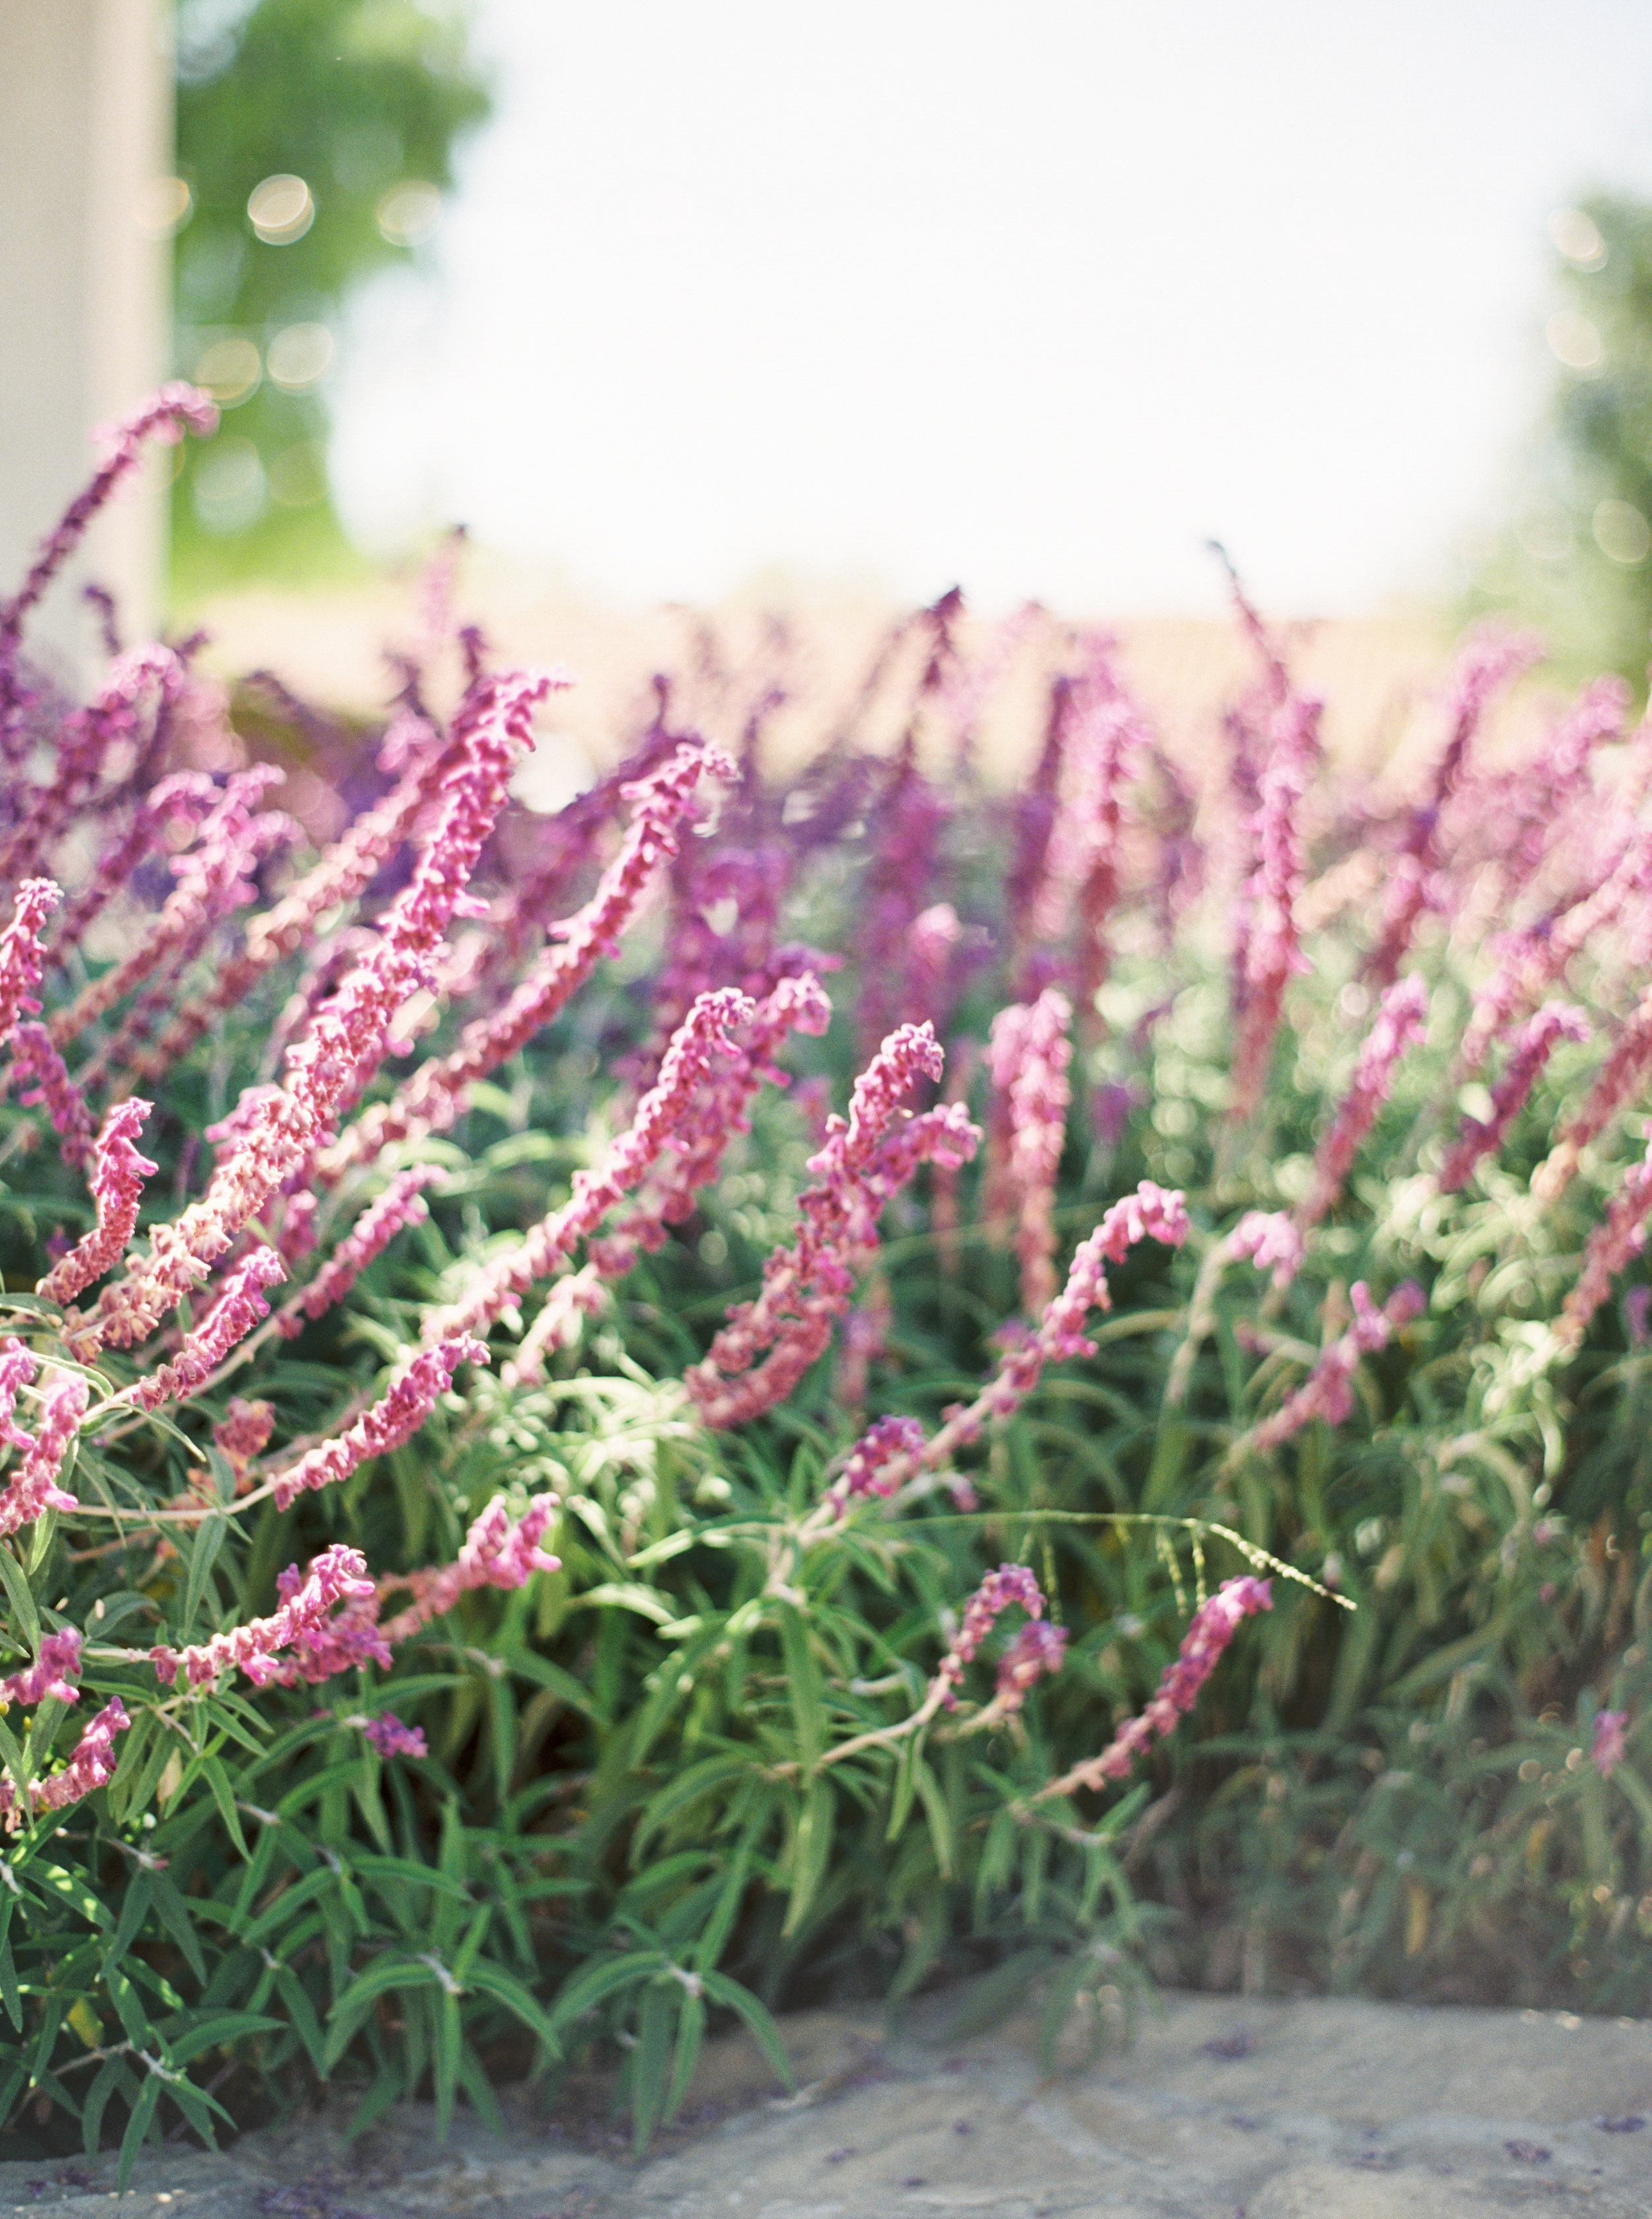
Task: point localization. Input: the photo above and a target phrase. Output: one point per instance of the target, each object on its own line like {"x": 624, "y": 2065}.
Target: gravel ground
{"x": 1223, "y": 2108}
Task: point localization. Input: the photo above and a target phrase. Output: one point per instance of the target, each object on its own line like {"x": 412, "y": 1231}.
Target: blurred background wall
{"x": 85, "y": 131}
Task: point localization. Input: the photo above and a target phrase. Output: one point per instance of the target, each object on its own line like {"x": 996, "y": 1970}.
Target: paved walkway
{"x": 1223, "y": 2108}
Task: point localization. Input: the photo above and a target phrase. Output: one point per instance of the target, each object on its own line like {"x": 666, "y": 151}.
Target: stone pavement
{"x": 1223, "y": 2108}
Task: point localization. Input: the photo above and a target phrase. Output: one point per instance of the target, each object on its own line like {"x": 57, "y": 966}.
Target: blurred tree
{"x": 315, "y": 139}
{"x": 1577, "y": 557}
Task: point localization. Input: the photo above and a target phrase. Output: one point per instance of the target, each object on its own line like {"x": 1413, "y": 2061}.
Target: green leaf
{"x": 20, "y": 1596}
{"x": 803, "y": 1677}
{"x": 691, "y": 2032}
{"x": 489, "y": 1979}
{"x": 649, "y": 2059}
{"x": 601, "y": 1981}
{"x": 66, "y": 1887}
{"x": 203, "y": 1554}
{"x": 811, "y": 1850}
{"x": 133, "y": 1911}
{"x": 143, "y": 2110}
{"x": 733, "y": 1997}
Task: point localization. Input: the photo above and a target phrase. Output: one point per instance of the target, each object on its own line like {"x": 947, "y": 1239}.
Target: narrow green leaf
{"x": 143, "y": 2110}
{"x": 723, "y": 1990}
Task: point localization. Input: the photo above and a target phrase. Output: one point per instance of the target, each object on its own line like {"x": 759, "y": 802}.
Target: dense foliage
{"x": 1212, "y": 1296}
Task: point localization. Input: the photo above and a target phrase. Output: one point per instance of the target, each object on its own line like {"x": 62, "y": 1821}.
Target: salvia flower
{"x": 403, "y": 1204}
{"x": 433, "y": 1097}
{"x": 1028, "y": 1056}
{"x": 395, "y": 1418}
{"x": 765, "y": 1346}
{"x": 53, "y": 1672}
{"x": 1037, "y": 1648}
{"x": 1608, "y": 1750}
{"x": 886, "y": 1441}
{"x": 1328, "y": 1391}
{"x": 1401, "y": 1018}
{"x": 391, "y": 1737}
{"x": 709, "y": 1030}
{"x": 1272, "y": 1240}
{"x": 1270, "y": 954}
{"x": 117, "y": 1180}
{"x": 91, "y": 1763}
{"x": 32, "y": 1490}
{"x": 1010, "y": 1583}
{"x": 338, "y": 1575}
{"x": 498, "y": 1552}
{"x": 1479, "y": 1137}
{"x": 230, "y": 1318}
{"x": 1619, "y": 1237}
{"x": 1214, "y": 1624}
{"x": 45, "y": 1081}
{"x": 22, "y": 959}
{"x": 243, "y": 1434}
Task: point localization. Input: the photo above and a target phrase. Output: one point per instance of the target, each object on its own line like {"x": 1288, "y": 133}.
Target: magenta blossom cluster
{"x": 1028, "y": 1056}
{"x": 1401, "y": 1018}
{"x": 1328, "y": 1391}
{"x": 390, "y": 1736}
{"x": 1010, "y": 1583}
{"x": 888, "y": 1443}
{"x": 1532, "y": 1046}
{"x": 337, "y": 1574}
{"x": 1608, "y": 1750}
{"x": 395, "y": 1418}
{"x": 118, "y": 1175}
{"x": 766, "y": 1347}
{"x": 90, "y": 1766}
{"x": 54, "y": 1672}
{"x": 1214, "y": 1624}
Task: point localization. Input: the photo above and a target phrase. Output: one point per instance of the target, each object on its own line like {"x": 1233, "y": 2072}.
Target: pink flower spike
{"x": 395, "y": 1418}
{"x": 33, "y": 1489}
{"x": 91, "y": 1763}
{"x": 117, "y": 1188}
{"x": 1028, "y": 1056}
{"x": 22, "y": 959}
{"x": 1037, "y": 1649}
{"x": 1272, "y": 1242}
{"x": 866, "y": 1468}
{"x": 1328, "y": 1392}
{"x": 496, "y": 1554}
{"x": 338, "y": 1575}
{"x": 1556, "y": 1021}
{"x": 53, "y": 1673}
{"x": 1401, "y": 1019}
{"x": 1608, "y": 1750}
{"x": 1010, "y": 1583}
{"x": 766, "y": 1347}
{"x": 1615, "y": 1241}
{"x": 45, "y": 1079}
{"x": 403, "y": 1204}
{"x": 1214, "y": 1624}
{"x": 230, "y": 1318}
{"x": 391, "y": 1737}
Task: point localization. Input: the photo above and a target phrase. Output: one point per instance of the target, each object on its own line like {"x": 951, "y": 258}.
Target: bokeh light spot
{"x": 1576, "y": 236}
{"x": 281, "y": 209}
{"x": 229, "y": 487}
{"x": 229, "y": 369}
{"x": 1622, "y": 533}
{"x": 408, "y": 212}
{"x": 1573, "y": 341}
{"x": 298, "y": 475}
{"x": 164, "y": 207}
{"x": 300, "y": 357}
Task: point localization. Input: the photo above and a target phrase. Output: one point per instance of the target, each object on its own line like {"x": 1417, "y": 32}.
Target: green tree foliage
{"x": 359, "y": 103}
{"x": 1577, "y": 557}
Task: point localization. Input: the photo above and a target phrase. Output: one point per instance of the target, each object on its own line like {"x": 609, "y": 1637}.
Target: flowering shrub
{"x": 909, "y": 1469}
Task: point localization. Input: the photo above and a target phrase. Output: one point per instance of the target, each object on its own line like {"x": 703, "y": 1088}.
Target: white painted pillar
{"x": 85, "y": 126}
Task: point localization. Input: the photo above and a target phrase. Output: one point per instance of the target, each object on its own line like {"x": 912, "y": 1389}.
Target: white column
{"x": 85, "y": 126}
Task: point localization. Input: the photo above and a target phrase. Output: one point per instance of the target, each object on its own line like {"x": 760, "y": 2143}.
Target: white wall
{"x": 85, "y": 123}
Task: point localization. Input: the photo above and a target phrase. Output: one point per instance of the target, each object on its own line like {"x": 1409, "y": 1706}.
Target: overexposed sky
{"x": 1035, "y": 295}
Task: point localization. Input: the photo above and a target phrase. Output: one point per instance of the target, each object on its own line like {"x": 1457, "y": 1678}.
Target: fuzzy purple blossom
{"x": 497, "y": 1552}
{"x": 866, "y": 1468}
{"x": 1328, "y": 1391}
{"x": 392, "y": 1738}
{"x": 395, "y": 1418}
{"x": 1272, "y": 1240}
{"x": 91, "y": 1763}
{"x": 1037, "y": 1649}
{"x": 230, "y": 1318}
{"x": 54, "y": 1671}
{"x": 1401, "y": 1019}
{"x": 22, "y": 959}
{"x": 1269, "y": 953}
{"x": 1556, "y": 1021}
{"x": 1010, "y": 1583}
{"x": 1214, "y": 1624}
{"x": 46, "y": 1082}
{"x": 338, "y": 1575}
{"x": 117, "y": 1181}
{"x": 1027, "y": 1055}
{"x": 1615, "y": 1242}
{"x": 766, "y": 1347}
{"x": 32, "y": 1490}
{"x": 1608, "y": 1750}
{"x": 401, "y": 1204}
